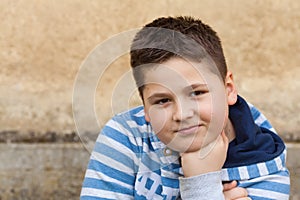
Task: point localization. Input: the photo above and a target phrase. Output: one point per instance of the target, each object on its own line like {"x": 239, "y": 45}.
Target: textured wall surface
{"x": 44, "y": 43}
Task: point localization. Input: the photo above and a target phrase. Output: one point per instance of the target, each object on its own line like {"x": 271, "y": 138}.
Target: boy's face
{"x": 186, "y": 104}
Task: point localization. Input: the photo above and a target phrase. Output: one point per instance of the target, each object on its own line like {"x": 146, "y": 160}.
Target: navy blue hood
{"x": 253, "y": 144}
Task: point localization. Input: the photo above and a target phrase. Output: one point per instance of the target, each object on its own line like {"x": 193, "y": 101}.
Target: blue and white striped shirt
{"x": 130, "y": 162}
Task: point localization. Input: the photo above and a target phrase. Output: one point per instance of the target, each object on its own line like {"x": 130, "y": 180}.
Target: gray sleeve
{"x": 203, "y": 187}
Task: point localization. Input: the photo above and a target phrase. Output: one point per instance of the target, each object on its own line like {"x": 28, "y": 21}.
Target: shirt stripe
{"x": 128, "y": 162}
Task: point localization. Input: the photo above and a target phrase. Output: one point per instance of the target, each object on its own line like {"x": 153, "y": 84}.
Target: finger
{"x": 243, "y": 198}
{"x": 229, "y": 186}
{"x": 236, "y": 193}
{"x": 225, "y": 140}
{"x": 224, "y": 137}
{"x": 220, "y": 140}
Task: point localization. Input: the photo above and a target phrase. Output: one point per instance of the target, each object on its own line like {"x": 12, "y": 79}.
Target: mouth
{"x": 188, "y": 130}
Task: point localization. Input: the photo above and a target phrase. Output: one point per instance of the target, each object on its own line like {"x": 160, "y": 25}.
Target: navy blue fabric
{"x": 253, "y": 144}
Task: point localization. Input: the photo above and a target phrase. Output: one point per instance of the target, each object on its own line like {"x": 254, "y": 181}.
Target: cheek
{"x": 213, "y": 112}
{"x": 158, "y": 118}
{"x": 205, "y": 111}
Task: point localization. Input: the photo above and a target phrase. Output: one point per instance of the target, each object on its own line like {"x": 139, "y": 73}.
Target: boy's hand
{"x": 231, "y": 192}
{"x": 208, "y": 159}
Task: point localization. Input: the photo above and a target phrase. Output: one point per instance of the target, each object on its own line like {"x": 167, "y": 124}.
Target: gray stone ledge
{"x": 56, "y": 170}
{"x": 34, "y": 137}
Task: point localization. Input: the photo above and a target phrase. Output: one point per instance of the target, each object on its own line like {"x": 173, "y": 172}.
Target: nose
{"x": 183, "y": 109}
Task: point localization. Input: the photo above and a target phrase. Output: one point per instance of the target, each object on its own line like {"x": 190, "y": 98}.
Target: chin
{"x": 187, "y": 145}
{"x": 185, "y": 149}
{"x": 192, "y": 149}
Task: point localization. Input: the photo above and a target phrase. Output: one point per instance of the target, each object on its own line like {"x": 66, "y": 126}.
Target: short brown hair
{"x": 169, "y": 37}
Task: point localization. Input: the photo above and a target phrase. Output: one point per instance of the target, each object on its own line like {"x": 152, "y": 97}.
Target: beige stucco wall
{"x": 43, "y": 44}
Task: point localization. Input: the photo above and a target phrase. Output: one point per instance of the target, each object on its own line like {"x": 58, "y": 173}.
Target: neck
{"x": 229, "y": 131}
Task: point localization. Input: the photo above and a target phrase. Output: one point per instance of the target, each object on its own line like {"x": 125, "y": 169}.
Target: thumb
{"x": 229, "y": 186}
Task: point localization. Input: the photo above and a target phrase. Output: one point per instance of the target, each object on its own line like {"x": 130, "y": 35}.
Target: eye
{"x": 162, "y": 101}
{"x": 197, "y": 93}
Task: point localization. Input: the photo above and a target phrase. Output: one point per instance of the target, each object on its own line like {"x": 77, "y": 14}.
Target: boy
{"x": 193, "y": 131}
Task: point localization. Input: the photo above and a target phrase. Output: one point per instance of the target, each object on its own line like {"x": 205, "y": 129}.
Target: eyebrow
{"x": 187, "y": 88}
{"x": 194, "y": 86}
{"x": 158, "y": 95}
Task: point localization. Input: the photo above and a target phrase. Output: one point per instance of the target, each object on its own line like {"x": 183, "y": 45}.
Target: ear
{"x": 231, "y": 91}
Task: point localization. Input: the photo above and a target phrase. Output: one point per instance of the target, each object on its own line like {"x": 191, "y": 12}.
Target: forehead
{"x": 178, "y": 72}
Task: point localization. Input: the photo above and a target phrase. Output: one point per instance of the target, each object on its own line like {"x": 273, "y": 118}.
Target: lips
{"x": 189, "y": 130}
